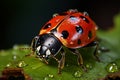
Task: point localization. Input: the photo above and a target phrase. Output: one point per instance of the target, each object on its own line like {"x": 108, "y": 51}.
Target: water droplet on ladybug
{"x": 73, "y": 10}
{"x": 85, "y": 13}
{"x": 55, "y": 14}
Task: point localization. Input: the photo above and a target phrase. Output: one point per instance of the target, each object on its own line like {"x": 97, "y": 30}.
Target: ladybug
{"x": 71, "y": 29}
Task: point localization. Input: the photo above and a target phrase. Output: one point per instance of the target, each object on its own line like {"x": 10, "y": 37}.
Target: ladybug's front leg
{"x": 80, "y": 59}
{"x": 33, "y": 46}
{"x": 61, "y": 62}
{"x": 31, "y": 53}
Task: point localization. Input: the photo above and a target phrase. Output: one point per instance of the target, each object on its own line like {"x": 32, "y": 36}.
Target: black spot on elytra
{"x": 47, "y": 26}
{"x": 85, "y": 19}
{"x": 90, "y": 34}
{"x": 79, "y": 41}
{"x": 65, "y": 34}
{"x": 79, "y": 29}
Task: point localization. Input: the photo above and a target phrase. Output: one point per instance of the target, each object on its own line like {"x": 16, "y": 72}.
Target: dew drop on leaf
{"x": 15, "y": 58}
{"x": 15, "y": 47}
{"x": 22, "y": 64}
{"x": 78, "y": 74}
{"x": 89, "y": 66}
{"x": 67, "y": 65}
{"x": 50, "y": 75}
{"x": 9, "y": 65}
{"x": 112, "y": 67}
{"x": 46, "y": 78}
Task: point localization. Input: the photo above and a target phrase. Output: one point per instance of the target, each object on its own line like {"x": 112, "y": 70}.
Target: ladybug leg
{"x": 96, "y": 53}
{"x": 32, "y": 48}
{"x": 30, "y": 54}
{"x": 79, "y": 59}
{"x": 54, "y": 57}
{"x": 95, "y": 43}
{"x": 61, "y": 62}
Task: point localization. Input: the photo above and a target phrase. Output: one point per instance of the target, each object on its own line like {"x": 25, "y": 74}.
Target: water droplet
{"x": 99, "y": 51}
{"x": 9, "y": 65}
{"x": 104, "y": 49}
{"x": 46, "y": 78}
{"x": 78, "y": 74}
{"x": 55, "y": 14}
{"x": 22, "y": 64}
{"x": 15, "y": 47}
{"x": 15, "y": 58}
{"x": 67, "y": 65}
{"x": 112, "y": 67}
{"x": 89, "y": 66}
{"x": 50, "y": 75}
{"x": 14, "y": 61}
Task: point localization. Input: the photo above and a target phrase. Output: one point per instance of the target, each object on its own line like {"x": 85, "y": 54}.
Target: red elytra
{"x": 71, "y": 29}
{"x": 79, "y": 29}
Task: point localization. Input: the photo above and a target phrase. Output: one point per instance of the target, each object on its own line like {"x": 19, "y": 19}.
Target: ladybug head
{"x": 46, "y": 45}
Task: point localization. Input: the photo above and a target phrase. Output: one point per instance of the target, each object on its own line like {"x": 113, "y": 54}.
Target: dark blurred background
{"x": 21, "y": 20}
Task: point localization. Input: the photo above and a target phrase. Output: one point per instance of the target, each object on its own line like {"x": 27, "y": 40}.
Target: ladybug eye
{"x": 79, "y": 29}
{"x": 47, "y": 26}
{"x": 85, "y": 19}
{"x": 65, "y": 34}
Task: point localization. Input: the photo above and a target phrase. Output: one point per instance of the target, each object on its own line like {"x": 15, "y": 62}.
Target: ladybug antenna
{"x": 34, "y": 42}
{"x": 85, "y": 13}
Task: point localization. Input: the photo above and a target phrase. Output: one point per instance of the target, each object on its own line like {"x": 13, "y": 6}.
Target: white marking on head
{"x": 43, "y": 56}
{"x": 37, "y": 49}
{"x": 48, "y": 53}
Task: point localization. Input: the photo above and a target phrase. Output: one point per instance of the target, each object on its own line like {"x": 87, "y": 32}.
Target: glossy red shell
{"x": 68, "y": 22}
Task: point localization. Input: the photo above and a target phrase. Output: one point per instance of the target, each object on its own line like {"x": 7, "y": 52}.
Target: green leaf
{"x": 38, "y": 70}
